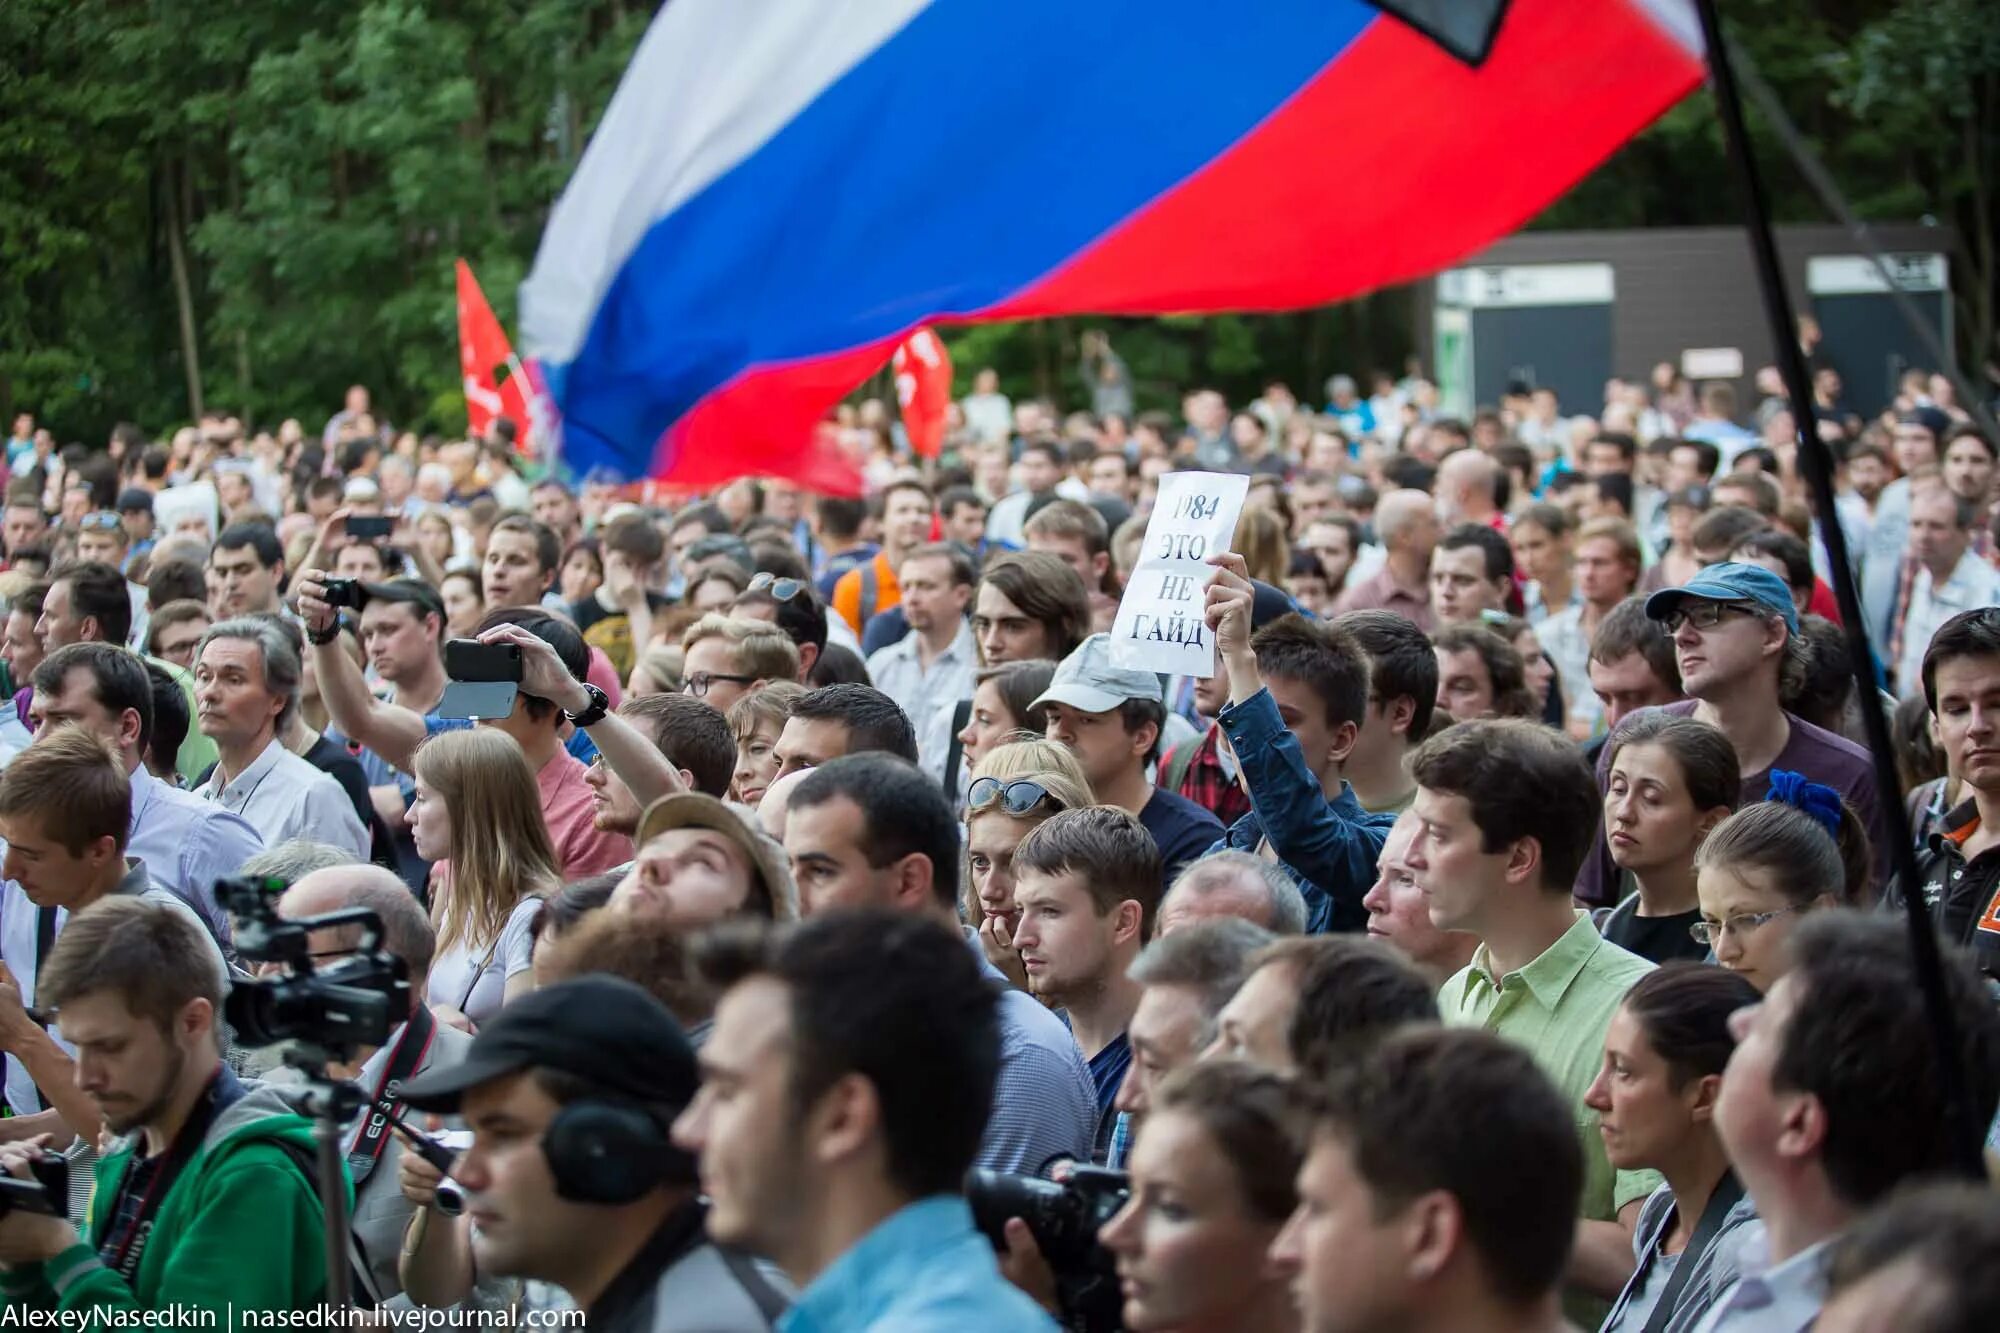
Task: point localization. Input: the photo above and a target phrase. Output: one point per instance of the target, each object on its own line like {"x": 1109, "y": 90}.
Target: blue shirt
{"x": 1328, "y": 847}
{"x": 1044, "y": 1104}
{"x": 187, "y": 844}
{"x": 1182, "y": 829}
{"x": 923, "y": 1269}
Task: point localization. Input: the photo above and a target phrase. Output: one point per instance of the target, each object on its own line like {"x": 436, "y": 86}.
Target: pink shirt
{"x": 582, "y": 849}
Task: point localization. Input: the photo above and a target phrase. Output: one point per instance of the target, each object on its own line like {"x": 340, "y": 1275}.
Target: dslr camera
{"x": 1064, "y": 1217}
{"x": 47, "y": 1193}
{"x": 356, "y": 1002}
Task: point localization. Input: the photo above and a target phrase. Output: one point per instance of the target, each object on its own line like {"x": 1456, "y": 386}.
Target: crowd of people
{"x": 813, "y": 926}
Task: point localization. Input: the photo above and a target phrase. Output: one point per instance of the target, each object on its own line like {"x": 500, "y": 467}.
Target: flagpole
{"x": 1816, "y": 463}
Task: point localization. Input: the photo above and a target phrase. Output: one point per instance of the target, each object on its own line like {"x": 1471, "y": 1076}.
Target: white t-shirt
{"x": 472, "y": 977}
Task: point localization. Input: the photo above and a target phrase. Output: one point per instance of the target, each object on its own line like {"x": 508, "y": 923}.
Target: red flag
{"x": 483, "y": 353}
{"x": 923, "y": 387}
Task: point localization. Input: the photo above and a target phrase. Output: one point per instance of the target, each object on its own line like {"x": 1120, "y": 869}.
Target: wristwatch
{"x": 600, "y": 704}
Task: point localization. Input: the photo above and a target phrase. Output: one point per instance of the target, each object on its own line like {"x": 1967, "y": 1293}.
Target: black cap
{"x": 135, "y": 499}
{"x": 602, "y": 1029}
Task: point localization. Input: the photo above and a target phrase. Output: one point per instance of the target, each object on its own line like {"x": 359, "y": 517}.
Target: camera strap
{"x": 374, "y": 1134}
{"x": 1728, "y": 1191}
{"x": 45, "y": 940}
{"x": 131, "y": 1221}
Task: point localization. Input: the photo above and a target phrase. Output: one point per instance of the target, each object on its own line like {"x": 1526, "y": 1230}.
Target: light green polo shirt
{"x": 1558, "y": 1007}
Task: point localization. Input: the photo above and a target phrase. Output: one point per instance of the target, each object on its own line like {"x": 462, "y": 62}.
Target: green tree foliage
{"x": 253, "y": 203}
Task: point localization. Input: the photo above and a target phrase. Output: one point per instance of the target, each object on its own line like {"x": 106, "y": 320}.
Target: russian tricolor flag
{"x": 782, "y": 189}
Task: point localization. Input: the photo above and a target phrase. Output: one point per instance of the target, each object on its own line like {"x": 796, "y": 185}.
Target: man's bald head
{"x": 1466, "y": 481}
{"x": 1397, "y": 510}
{"x": 406, "y": 931}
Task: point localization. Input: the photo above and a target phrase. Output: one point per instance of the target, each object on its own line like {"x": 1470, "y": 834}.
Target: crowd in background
{"x": 1505, "y": 933}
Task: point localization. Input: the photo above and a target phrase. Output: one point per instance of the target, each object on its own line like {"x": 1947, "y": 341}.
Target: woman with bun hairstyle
{"x": 1800, "y": 849}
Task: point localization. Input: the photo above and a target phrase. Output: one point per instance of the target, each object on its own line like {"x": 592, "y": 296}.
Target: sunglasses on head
{"x": 1016, "y": 798}
{"x": 782, "y": 589}
{"x": 101, "y": 520}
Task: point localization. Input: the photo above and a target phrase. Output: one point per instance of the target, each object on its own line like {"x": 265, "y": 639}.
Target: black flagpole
{"x": 1967, "y": 1138}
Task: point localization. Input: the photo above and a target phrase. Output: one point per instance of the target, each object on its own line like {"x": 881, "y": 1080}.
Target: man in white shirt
{"x": 186, "y": 842}
{"x": 929, "y": 670}
{"x": 246, "y": 687}
{"x": 1832, "y": 1101}
{"x": 1948, "y": 576}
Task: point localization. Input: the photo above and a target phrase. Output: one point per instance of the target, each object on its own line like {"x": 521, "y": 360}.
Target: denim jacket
{"x": 1329, "y": 847}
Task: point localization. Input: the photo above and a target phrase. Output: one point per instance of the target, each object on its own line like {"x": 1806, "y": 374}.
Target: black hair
{"x": 1707, "y": 456}
{"x": 1499, "y": 555}
{"x": 261, "y": 538}
{"x": 1948, "y": 1234}
{"x": 117, "y": 679}
{"x": 890, "y": 997}
{"x": 802, "y": 616}
{"x": 837, "y": 664}
{"x": 903, "y": 811}
{"x": 1683, "y": 1008}
{"x": 170, "y": 719}
{"x": 1326, "y": 658}
{"x": 1522, "y": 781}
{"x": 1401, "y": 663}
{"x": 1858, "y": 1041}
{"x": 873, "y": 720}
{"x": 97, "y": 591}
{"x": 414, "y": 593}
{"x": 840, "y": 517}
{"x": 1399, "y": 1115}
{"x": 1973, "y": 633}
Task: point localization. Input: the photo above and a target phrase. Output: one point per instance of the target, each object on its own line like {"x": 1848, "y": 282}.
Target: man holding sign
{"x": 1298, "y": 692}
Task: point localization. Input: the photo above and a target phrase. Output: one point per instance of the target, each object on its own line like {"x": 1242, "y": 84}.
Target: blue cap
{"x": 1730, "y": 581}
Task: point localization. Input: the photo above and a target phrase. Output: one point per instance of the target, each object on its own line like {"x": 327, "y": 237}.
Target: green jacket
{"x": 241, "y": 1228}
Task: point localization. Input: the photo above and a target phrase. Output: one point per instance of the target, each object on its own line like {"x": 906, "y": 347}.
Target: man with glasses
{"x": 726, "y": 658}
{"x": 1736, "y": 641}
{"x": 928, "y": 672}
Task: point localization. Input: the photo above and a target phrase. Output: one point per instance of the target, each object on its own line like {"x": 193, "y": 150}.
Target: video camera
{"x": 47, "y": 1193}
{"x": 356, "y": 1002}
{"x": 1064, "y": 1217}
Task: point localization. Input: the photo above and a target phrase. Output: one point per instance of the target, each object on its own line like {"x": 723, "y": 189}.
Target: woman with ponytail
{"x": 1799, "y": 849}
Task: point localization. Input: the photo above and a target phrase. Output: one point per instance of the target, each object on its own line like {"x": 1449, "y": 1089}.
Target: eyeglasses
{"x": 1749, "y": 923}
{"x": 699, "y": 682}
{"x": 782, "y": 589}
{"x": 1704, "y": 615}
{"x": 1016, "y": 798}
{"x": 101, "y": 520}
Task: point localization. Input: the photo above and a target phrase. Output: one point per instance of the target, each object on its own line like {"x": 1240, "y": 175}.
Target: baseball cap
{"x": 602, "y": 1029}
{"x": 1730, "y": 581}
{"x": 694, "y": 809}
{"x": 1086, "y": 680}
{"x": 1933, "y": 419}
{"x": 135, "y": 500}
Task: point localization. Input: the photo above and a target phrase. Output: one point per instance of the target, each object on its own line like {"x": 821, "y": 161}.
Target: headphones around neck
{"x": 612, "y": 1152}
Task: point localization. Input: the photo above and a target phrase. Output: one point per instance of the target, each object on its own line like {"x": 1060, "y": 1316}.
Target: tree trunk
{"x": 183, "y": 292}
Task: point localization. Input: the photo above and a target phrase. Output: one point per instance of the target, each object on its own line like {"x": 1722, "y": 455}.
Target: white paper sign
{"x": 1160, "y": 626}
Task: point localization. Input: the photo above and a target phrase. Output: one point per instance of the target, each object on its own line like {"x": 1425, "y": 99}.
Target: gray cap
{"x": 1086, "y": 680}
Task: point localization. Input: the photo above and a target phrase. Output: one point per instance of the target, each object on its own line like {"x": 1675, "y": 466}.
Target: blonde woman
{"x": 478, "y": 814}
{"x": 1014, "y": 789}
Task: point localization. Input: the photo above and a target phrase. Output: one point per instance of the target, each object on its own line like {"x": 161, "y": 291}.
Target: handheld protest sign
{"x": 1160, "y": 625}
